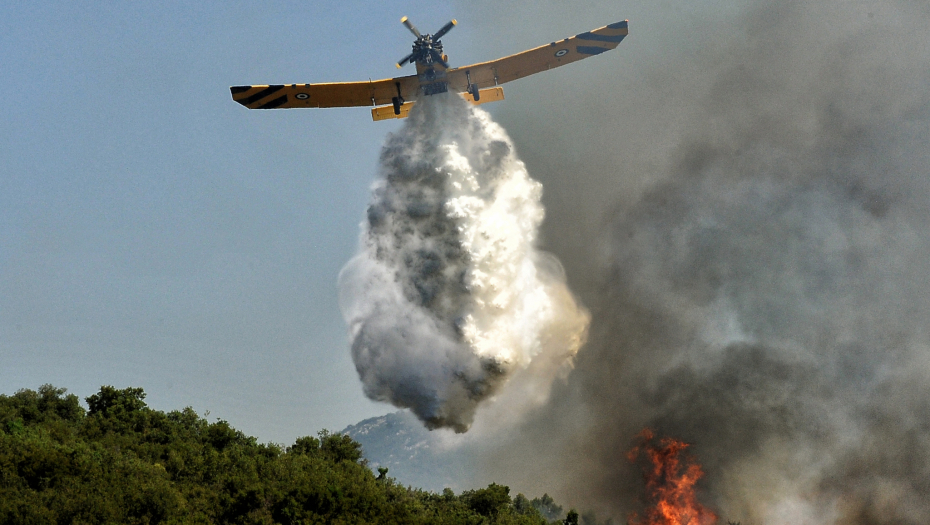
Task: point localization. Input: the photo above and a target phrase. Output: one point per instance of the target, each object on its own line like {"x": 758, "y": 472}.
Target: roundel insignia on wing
{"x": 301, "y": 96}
{"x": 561, "y": 52}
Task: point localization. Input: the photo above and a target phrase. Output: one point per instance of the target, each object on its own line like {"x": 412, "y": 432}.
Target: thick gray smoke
{"x": 767, "y": 296}
{"x": 448, "y": 296}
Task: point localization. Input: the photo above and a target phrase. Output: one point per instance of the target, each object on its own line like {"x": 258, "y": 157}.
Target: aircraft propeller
{"x": 426, "y": 46}
{"x": 411, "y": 27}
{"x": 445, "y": 29}
{"x": 404, "y": 60}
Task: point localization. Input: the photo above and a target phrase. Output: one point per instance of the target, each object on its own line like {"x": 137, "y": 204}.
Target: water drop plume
{"x": 448, "y": 296}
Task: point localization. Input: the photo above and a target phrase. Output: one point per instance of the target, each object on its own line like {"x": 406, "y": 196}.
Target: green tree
{"x": 111, "y": 402}
{"x": 547, "y": 507}
{"x": 122, "y": 462}
{"x": 307, "y": 445}
{"x": 571, "y": 518}
{"x": 340, "y": 447}
{"x": 490, "y": 501}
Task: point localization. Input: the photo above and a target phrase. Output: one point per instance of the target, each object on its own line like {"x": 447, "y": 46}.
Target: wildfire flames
{"x": 670, "y": 479}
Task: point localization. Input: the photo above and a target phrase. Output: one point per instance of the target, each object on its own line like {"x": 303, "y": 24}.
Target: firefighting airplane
{"x": 393, "y": 97}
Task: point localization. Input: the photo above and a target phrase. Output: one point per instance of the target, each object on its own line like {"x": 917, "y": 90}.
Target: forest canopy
{"x": 120, "y": 461}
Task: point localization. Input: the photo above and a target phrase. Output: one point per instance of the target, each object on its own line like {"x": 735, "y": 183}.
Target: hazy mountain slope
{"x": 414, "y": 455}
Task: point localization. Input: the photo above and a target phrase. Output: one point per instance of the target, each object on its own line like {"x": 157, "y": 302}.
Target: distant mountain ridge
{"x": 413, "y": 455}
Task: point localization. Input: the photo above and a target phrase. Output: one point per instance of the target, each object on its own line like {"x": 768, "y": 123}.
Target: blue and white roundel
{"x": 561, "y": 52}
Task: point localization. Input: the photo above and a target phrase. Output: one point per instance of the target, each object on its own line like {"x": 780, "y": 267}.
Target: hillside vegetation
{"x": 121, "y": 462}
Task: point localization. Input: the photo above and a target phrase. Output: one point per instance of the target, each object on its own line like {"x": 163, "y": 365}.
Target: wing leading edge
{"x": 330, "y": 95}
{"x": 404, "y": 90}
{"x": 545, "y": 57}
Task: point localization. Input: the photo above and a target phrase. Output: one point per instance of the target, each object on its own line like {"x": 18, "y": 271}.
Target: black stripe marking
{"x": 274, "y": 103}
{"x": 260, "y": 95}
{"x": 591, "y": 50}
{"x": 600, "y": 38}
{"x": 620, "y": 25}
{"x": 239, "y": 89}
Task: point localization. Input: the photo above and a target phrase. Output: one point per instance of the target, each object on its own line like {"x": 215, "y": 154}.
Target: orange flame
{"x": 670, "y": 484}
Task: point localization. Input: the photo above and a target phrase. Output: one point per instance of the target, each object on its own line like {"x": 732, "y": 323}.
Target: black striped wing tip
{"x": 264, "y": 98}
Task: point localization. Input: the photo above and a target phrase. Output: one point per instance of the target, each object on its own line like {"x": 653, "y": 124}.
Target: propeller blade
{"x": 404, "y": 60}
{"x": 445, "y": 29}
{"x": 438, "y": 58}
{"x": 410, "y": 26}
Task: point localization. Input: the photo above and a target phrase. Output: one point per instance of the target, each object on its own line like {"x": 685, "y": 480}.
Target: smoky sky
{"x": 749, "y": 226}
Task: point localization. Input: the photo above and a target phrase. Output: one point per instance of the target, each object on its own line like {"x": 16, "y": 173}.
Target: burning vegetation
{"x": 670, "y": 479}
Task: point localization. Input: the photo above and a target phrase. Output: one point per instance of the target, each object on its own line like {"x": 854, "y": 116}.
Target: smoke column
{"x": 760, "y": 283}
{"x": 448, "y": 296}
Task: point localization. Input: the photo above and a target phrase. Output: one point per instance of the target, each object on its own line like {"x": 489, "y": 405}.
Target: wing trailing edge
{"x": 388, "y": 112}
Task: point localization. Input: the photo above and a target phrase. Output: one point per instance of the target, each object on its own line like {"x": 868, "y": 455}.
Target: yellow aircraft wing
{"x": 331, "y": 95}
{"x": 460, "y": 79}
{"x": 545, "y": 57}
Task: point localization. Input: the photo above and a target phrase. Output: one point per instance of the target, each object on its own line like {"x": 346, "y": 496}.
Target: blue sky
{"x": 153, "y": 233}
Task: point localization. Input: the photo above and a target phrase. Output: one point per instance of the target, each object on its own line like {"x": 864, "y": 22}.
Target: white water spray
{"x": 448, "y": 296}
